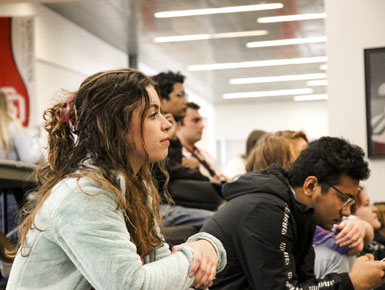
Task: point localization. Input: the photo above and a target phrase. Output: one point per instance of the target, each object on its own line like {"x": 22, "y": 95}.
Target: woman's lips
{"x": 165, "y": 141}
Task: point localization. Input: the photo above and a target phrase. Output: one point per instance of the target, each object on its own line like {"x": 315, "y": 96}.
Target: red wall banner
{"x": 17, "y": 63}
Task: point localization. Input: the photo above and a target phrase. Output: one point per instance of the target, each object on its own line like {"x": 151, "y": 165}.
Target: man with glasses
{"x": 331, "y": 257}
{"x": 268, "y": 224}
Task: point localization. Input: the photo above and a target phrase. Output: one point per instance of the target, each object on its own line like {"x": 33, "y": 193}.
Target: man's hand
{"x": 190, "y": 162}
{"x": 367, "y": 273}
{"x": 205, "y": 262}
{"x": 172, "y": 132}
{"x": 353, "y": 233}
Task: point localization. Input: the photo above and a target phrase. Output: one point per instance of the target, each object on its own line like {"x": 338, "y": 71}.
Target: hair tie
{"x": 65, "y": 112}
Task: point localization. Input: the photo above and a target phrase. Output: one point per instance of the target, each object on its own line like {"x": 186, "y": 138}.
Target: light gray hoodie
{"x": 85, "y": 243}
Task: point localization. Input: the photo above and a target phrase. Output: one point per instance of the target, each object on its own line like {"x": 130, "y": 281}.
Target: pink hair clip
{"x": 65, "y": 112}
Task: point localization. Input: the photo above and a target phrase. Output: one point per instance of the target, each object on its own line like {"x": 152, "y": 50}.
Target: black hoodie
{"x": 268, "y": 236}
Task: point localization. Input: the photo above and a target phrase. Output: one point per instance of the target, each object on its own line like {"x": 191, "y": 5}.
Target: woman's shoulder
{"x": 75, "y": 195}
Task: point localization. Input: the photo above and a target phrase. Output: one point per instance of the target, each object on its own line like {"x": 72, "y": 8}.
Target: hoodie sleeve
{"x": 264, "y": 243}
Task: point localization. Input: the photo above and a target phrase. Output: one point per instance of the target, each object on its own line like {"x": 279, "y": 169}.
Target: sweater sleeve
{"x": 264, "y": 243}
{"x": 217, "y": 244}
{"x": 91, "y": 231}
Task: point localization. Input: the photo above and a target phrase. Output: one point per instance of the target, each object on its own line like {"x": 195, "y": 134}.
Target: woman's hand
{"x": 204, "y": 266}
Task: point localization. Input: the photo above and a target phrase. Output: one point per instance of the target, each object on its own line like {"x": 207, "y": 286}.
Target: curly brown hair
{"x": 101, "y": 113}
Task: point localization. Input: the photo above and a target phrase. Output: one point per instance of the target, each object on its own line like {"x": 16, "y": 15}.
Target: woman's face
{"x": 367, "y": 211}
{"x": 155, "y": 129}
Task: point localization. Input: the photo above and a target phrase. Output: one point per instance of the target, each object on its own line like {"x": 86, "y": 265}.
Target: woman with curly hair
{"x": 94, "y": 219}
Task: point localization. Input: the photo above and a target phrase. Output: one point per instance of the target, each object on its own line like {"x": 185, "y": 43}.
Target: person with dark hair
{"x": 173, "y": 103}
{"x": 237, "y": 165}
{"x": 194, "y": 196}
{"x": 189, "y": 133}
{"x": 93, "y": 221}
{"x": 268, "y": 224}
{"x": 173, "y": 98}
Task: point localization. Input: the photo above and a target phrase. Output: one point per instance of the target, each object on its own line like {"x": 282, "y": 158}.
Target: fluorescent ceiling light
{"x": 317, "y": 83}
{"x": 310, "y": 98}
{"x": 272, "y": 79}
{"x": 259, "y": 94}
{"x": 256, "y": 63}
{"x": 210, "y": 36}
{"x": 323, "y": 67}
{"x": 297, "y": 17}
{"x": 286, "y": 41}
{"x": 209, "y": 11}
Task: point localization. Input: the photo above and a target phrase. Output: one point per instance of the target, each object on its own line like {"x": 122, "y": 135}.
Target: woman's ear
{"x": 309, "y": 186}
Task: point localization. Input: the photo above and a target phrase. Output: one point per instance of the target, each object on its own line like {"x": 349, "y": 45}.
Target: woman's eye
{"x": 153, "y": 116}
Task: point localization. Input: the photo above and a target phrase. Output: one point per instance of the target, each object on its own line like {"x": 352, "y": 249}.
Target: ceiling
{"x": 131, "y": 27}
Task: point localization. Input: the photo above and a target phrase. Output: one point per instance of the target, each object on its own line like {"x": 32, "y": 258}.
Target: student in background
{"x": 189, "y": 133}
{"x": 364, "y": 209}
{"x": 15, "y": 141}
{"x": 94, "y": 222}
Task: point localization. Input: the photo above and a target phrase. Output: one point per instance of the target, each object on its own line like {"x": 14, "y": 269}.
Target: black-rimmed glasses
{"x": 347, "y": 198}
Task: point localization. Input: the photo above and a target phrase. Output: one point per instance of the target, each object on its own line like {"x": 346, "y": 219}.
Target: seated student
{"x": 279, "y": 150}
{"x": 364, "y": 209}
{"x": 95, "y": 220}
{"x": 15, "y": 141}
{"x": 268, "y": 224}
{"x": 189, "y": 133}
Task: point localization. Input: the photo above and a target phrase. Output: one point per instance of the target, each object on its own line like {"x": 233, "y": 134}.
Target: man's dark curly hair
{"x": 328, "y": 158}
{"x": 164, "y": 83}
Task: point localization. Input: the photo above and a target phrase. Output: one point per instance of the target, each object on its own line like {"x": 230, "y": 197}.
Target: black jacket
{"x": 268, "y": 236}
{"x": 187, "y": 187}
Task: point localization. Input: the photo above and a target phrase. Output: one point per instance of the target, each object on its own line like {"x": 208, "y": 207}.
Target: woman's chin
{"x": 158, "y": 158}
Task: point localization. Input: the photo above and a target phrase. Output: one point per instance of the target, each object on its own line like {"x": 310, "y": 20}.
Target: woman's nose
{"x": 166, "y": 125}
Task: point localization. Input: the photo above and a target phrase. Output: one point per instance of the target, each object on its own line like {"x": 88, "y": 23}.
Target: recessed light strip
{"x": 286, "y": 18}
{"x": 210, "y": 36}
{"x": 323, "y": 67}
{"x": 257, "y": 63}
{"x": 272, "y": 79}
{"x": 310, "y": 98}
{"x": 291, "y": 41}
{"x": 260, "y": 94}
{"x": 317, "y": 83}
{"x": 221, "y": 10}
